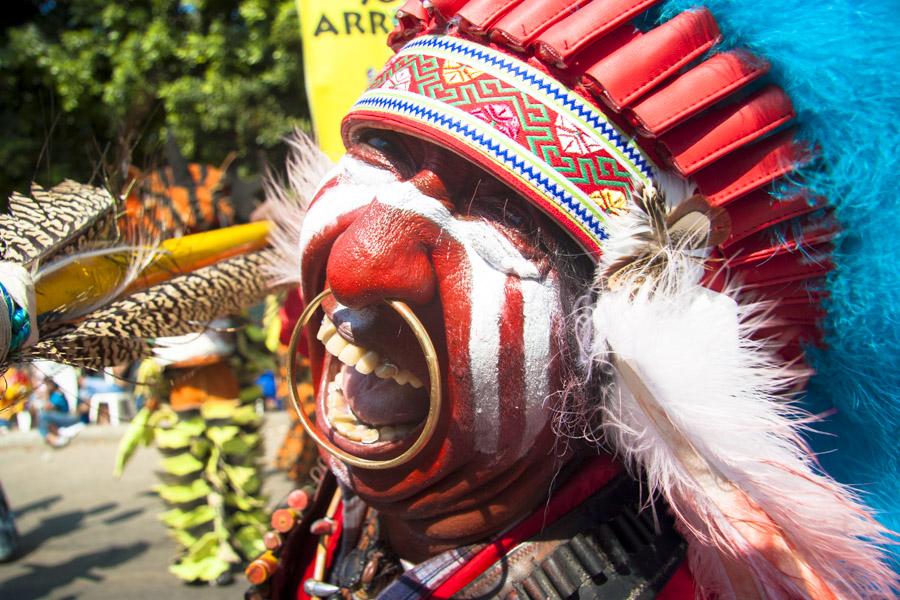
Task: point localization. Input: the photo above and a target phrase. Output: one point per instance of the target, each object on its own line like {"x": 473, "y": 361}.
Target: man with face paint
{"x": 545, "y": 270}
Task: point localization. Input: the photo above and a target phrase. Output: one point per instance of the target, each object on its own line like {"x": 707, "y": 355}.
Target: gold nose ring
{"x": 434, "y": 376}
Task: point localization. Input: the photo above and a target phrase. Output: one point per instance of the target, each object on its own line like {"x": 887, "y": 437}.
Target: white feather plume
{"x": 287, "y": 201}
{"x": 700, "y": 409}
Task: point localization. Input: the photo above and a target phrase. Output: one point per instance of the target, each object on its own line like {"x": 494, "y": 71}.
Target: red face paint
{"x": 407, "y": 220}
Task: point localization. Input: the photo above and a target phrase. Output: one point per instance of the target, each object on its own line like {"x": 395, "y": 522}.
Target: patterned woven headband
{"x": 535, "y": 134}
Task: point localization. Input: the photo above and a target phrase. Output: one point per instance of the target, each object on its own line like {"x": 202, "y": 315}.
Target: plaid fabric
{"x": 423, "y": 579}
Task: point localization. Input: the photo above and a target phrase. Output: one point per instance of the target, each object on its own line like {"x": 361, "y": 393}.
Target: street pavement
{"x": 84, "y": 534}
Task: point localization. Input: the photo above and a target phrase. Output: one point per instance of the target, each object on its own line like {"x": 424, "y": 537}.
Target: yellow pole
{"x": 83, "y": 281}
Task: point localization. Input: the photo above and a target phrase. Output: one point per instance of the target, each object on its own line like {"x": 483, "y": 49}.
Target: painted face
{"x": 401, "y": 218}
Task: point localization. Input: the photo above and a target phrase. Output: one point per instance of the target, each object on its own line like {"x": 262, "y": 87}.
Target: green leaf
{"x": 188, "y": 519}
{"x": 220, "y": 435}
{"x": 246, "y": 415}
{"x": 181, "y": 464}
{"x": 183, "y": 537}
{"x": 182, "y": 494}
{"x": 250, "y": 394}
{"x": 242, "y": 445}
{"x": 255, "y": 518}
{"x": 138, "y": 432}
{"x": 212, "y": 411}
{"x": 248, "y": 541}
{"x": 173, "y": 438}
{"x": 243, "y": 479}
{"x": 194, "y": 426}
{"x": 244, "y": 503}
{"x": 207, "y": 568}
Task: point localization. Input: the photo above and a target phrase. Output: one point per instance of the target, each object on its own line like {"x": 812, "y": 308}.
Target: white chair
{"x": 23, "y": 420}
{"x": 118, "y": 403}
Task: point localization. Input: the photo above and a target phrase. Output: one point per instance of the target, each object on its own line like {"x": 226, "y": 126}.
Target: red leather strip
{"x": 763, "y": 246}
{"x": 411, "y": 19}
{"x": 696, "y": 90}
{"x": 794, "y": 292}
{"x": 786, "y": 267}
{"x": 558, "y": 44}
{"x": 413, "y": 9}
{"x": 477, "y": 16}
{"x": 759, "y": 210}
{"x": 637, "y": 68}
{"x": 528, "y": 20}
{"x": 756, "y": 166}
{"x": 706, "y": 139}
{"x": 445, "y": 8}
{"x": 601, "y": 49}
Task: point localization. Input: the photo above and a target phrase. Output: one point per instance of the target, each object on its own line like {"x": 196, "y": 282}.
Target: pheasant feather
{"x": 119, "y": 332}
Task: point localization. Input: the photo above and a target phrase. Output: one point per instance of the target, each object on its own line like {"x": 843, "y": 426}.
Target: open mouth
{"x": 367, "y": 399}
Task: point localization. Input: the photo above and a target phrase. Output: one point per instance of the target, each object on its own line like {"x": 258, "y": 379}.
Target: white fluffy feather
{"x": 287, "y": 201}
{"x": 623, "y": 229}
{"x": 700, "y": 409}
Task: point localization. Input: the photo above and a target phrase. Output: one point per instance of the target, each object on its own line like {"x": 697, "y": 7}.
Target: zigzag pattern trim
{"x": 540, "y": 176}
{"x": 548, "y": 90}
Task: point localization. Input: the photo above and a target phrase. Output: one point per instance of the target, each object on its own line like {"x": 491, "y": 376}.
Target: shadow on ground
{"x": 41, "y": 580}
{"x": 57, "y": 525}
{"x": 42, "y": 504}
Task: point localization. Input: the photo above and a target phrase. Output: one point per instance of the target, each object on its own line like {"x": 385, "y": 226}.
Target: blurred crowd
{"x": 59, "y": 401}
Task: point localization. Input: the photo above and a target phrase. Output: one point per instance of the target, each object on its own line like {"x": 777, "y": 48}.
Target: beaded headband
{"x": 541, "y": 138}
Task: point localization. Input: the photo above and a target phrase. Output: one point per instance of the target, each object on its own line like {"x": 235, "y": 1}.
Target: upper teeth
{"x": 364, "y": 361}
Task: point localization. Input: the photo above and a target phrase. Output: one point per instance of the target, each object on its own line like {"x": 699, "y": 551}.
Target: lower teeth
{"x": 345, "y": 422}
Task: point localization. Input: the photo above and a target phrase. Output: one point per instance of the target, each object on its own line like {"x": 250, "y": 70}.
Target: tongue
{"x": 379, "y": 401}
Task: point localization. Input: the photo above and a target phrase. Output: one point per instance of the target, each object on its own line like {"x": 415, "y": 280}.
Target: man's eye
{"x": 506, "y": 210}
{"x": 379, "y": 143}
{"x": 391, "y": 149}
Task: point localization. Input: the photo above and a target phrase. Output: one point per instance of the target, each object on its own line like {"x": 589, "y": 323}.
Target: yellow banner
{"x": 344, "y": 46}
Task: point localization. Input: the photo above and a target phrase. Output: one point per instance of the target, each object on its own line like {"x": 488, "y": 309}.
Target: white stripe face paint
{"x": 491, "y": 259}
{"x": 486, "y": 288}
{"x": 353, "y": 189}
{"x": 541, "y": 308}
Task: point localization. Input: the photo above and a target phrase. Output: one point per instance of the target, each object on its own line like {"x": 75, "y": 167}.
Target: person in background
{"x": 56, "y": 424}
{"x": 9, "y": 535}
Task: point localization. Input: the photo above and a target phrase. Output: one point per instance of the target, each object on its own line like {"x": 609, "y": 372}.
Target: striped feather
{"x": 121, "y": 331}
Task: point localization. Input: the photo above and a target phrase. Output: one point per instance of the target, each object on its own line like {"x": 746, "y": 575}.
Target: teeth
{"x": 386, "y": 370}
{"x": 363, "y": 360}
{"x": 367, "y": 435}
{"x": 326, "y": 330}
{"x": 344, "y": 427}
{"x": 345, "y": 422}
{"x": 368, "y": 363}
{"x": 335, "y": 345}
{"x": 351, "y": 354}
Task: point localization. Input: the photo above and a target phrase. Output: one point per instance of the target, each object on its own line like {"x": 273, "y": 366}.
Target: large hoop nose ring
{"x": 434, "y": 377}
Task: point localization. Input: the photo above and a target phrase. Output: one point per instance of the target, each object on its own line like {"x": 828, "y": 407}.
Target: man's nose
{"x": 383, "y": 254}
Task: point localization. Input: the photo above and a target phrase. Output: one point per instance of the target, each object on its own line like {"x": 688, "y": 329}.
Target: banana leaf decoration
{"x": 210, "y": 481}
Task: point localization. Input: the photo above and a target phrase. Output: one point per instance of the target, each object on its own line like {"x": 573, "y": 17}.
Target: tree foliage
{"x": 89, "y": 86}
